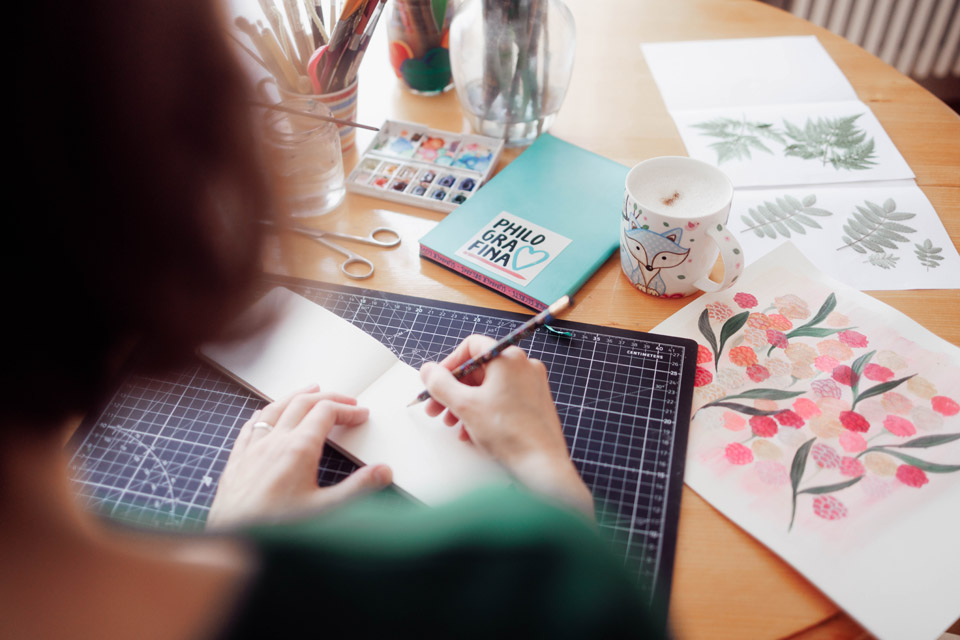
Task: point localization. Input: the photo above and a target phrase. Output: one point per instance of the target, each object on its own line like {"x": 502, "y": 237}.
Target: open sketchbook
{"x": 307, "y": 344}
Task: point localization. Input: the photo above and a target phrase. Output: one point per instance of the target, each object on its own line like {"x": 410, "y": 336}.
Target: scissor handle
{"x": 391, "y": 233}
{"x": 355, "y": 259}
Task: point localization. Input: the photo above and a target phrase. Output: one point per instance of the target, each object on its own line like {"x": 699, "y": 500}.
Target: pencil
{"x": 513, "y": 337}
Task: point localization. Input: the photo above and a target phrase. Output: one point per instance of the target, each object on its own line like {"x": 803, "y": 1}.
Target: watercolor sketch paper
{"x": 718, "y": 74}
{"x": 811, "y": 143}
{"x": 827, "y": 425}
{"x": 870, "y": 238}
{"x": 307, "y": 344}
{"x": 772, "y": 111}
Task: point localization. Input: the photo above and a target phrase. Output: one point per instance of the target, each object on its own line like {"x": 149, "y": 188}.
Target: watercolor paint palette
{"x": 414, "y": 164}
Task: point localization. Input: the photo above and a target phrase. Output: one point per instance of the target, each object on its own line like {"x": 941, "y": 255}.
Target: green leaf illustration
{"x": 736, "y": 138}
{"x": 730, "y": 328}
{"x": 875, "y": 228}
{"x": 765, "y": 394}
{"x": 743, "y": 408}
{"x": 825, "y": 310}
{"x": 835, "y": 141}
{"x": 924, "y": 442}
{"x": 928, "y": 255}
{"x": 931, "y": 467}
{"x": 883, "y": 260}
{"x": 883, "y": 387}
{"x": 861, "y": 362}
{"x": 813, "y": 332}
{"x": 783, "y": 215}
{"x": 796, "y": 474}
{"x": 707, "y": 331}
{"x": 800, "y": 463}
{"x": 830, "y": 488}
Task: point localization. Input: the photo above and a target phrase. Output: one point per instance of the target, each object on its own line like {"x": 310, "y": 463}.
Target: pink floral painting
{"x": 799, "y": 391}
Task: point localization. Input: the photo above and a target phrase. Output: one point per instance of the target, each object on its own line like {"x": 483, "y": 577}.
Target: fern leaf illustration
{"x": 876, "y": 228}
{"x": 883, "y": 260}
{"x": 834, "y": 141}
{"x": 736, "y": 138}
{"x": 928, "y": 255}
{"x": 782, "y": 216}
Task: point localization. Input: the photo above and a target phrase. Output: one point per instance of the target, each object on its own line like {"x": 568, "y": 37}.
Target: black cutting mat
{"x": 152, "y": 455}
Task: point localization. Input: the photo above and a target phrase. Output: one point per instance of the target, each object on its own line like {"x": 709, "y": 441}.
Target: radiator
{"x": 921, "y": 38}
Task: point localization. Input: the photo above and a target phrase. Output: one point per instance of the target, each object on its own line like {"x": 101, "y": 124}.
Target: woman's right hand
{"x": 506, "y": 409}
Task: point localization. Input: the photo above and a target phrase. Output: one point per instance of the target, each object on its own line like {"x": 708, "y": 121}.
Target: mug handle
{"x": 732, "y": 255}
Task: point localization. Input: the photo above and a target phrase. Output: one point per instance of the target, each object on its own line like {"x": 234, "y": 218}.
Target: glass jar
{"x": 419, "y": 44}
{"x": 511, "y": 62}
{"x": 305, "y": 158}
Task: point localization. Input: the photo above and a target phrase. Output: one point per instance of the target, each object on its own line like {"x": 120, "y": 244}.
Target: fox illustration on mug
{"x": 652, "y": 252}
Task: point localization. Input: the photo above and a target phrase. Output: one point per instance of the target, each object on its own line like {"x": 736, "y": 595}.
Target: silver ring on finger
{"x": 262, "y": 425}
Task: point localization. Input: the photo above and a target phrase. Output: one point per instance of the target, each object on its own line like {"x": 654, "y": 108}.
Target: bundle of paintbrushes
{"x": 307, "y": 53}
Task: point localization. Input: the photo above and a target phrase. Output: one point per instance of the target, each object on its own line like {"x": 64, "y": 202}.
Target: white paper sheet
{"x": 811, "y": 143}
{"x": 308, "y": 344}
{"x": 875, "y": 237}
{"x": 871, "y": 512}
{"x": 709, "y": 74}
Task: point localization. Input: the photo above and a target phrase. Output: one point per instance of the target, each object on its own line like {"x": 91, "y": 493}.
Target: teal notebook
{"x": 539, "y": 228}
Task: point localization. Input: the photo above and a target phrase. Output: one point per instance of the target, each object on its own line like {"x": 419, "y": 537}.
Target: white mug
{"x": 673, "y": 225}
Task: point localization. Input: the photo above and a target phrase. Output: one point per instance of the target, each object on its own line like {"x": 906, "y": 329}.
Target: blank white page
{"x": 428, "y": 459}
{"x": 309, "y": 344}
{"x": 305, "y": 344}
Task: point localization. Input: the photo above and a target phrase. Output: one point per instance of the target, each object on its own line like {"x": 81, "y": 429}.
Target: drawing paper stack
{"x": 809, "y": 160}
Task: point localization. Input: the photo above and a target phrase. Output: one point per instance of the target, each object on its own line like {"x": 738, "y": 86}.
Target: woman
{"x": 143, "y": 190}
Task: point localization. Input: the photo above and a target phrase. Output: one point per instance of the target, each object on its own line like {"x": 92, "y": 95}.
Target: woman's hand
{"x": 506, "y": 409}
{"x": 273, "y": 471}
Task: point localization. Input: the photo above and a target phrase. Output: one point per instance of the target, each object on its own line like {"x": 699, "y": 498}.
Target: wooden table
{"x": 725, "y": 583}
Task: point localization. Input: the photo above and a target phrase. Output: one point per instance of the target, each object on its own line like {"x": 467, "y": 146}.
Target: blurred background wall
{"x": 921, "y": 38}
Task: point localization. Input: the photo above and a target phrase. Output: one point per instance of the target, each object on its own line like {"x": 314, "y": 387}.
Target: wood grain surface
{"x": 726, "y": 585}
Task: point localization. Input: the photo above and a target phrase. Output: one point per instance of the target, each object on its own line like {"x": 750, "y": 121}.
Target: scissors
{"x": 352, "y": 258}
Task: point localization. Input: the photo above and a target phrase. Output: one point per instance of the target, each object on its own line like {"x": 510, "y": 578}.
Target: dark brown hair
{"x": 140, "y": 187}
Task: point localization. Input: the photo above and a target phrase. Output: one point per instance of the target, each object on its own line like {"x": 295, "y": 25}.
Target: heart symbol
{"x": 532, "y": 260}
{"x": 692, "y": 225}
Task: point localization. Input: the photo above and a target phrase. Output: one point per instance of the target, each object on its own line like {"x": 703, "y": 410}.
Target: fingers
{"x": 243, "y": 438}
{"x": 363, "y": 480}
{"x": 272, "y": 412}
{"x": 325, "y": 415}
{"x": 444, "y": 389}
{"x": 301, "y": 404}
{"x": 472, "y": 346}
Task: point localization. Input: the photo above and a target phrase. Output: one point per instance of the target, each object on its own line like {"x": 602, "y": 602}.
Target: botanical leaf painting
{"x": 834, "y": 141}
{"x": 876, "y": 228}
{"x": 873, "y": 237}
{"x": 928, "y": 255}
{"x": 783, "y": 215}
{"x": 736, "y": 138}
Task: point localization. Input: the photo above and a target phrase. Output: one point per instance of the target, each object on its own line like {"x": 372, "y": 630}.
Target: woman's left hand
{"x": 272, "y": 470}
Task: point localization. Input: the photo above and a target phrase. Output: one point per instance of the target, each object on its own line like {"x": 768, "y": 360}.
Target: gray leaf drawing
{"x": 876, "y": 228}
{"x": 737, "y": 137}
{"x": 783, "y": 215}
{"x": 883, "y": 260}
{"x": 928, "y": 255}
{"x": 835, "y": 141}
